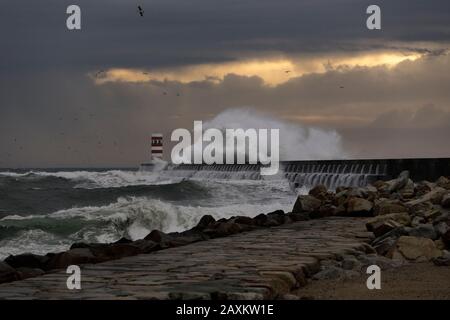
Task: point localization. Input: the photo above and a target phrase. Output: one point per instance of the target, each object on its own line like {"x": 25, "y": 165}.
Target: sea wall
{"x": 372, "y": 169}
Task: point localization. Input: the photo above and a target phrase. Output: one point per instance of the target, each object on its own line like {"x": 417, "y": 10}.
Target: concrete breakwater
{"x": 331, "y": 173}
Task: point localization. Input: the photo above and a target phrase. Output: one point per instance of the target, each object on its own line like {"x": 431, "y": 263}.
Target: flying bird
{"x": 341, "y": 87}
{"x": 141, "y": 11}
{"x": 99, "y": 73}
{"x": 288, "y": 71}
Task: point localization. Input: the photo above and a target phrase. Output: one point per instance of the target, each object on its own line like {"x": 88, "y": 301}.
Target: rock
{"x": 439, "y": 244}
{"x": 434, "y": 196}
{"x": 278, "y": 216}
{"x": 349, "y": 263}
{"x": 205, "y": 222}
{"x": 73, "y": 256}
{"x": 422, "y": 188}
{"x": 263, "y": 220}
{"x": 423, "y": 231}
{"x": 414, "y": 248}
{"x": 380, "y": 185}
{"x": 416, "y": 221}
{"x": 124, "y": 240}
{"x": 441, "y": 228}
{"x": 443, "y": 182}
{"x": 7, "y": 273}
{"x": 319, "y": 192}
{"x": 399, "y": 183}
{"x": 329, "y": 273}
{"x": 408, "y": 190}
{"x": 243, "y": 220}
{"x": 158, "y": 236}
{"x": 402, "y": 218}
{"x": 384, "y": 227}
{"x": 446, "y": 201}
{"x": 27, "y": 260}
{"x": 374, "y": 259}
{"x": 384, "y": 246}
{"x": 444, "y": 260}
{"x": 388, "y": 206}
{"x": 222, "y": 229}
{"x": 359, "y": 207}
{"x": 25, "y": 273}
{"x": 306, "y": 203}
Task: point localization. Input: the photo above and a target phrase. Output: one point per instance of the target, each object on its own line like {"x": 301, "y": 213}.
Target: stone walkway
{"x": 262, "y": 264}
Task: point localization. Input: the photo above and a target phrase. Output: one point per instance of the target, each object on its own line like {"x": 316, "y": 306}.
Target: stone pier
{"x": 261, "y": 264}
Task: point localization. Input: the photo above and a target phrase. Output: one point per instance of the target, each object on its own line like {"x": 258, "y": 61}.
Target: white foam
{"x": 106, "y": 179}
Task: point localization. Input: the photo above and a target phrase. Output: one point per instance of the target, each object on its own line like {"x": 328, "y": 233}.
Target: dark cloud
{"x": 175, "y": 32}
{"x": 52, "y": 113}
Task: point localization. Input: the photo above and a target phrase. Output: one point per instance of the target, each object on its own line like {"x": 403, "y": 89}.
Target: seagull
{"x": 141, "y": 11}
{"x": 99, "y": 73}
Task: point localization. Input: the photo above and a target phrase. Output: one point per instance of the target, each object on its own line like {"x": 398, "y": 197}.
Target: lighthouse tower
{"x": 157, "y": 146}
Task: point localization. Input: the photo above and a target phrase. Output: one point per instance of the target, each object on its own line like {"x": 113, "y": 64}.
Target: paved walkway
{"x": 262, "y": 264}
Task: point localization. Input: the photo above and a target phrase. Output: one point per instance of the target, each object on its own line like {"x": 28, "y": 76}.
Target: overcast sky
{"x": 386, "y": 92}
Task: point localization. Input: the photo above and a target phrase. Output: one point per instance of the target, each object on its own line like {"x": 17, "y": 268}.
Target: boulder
{"x": 158, "y": 236}
{"x": 222, "y": 229}
{"x": 205, "y": 222}
{"x": 384, "y": 227}
{"x": 25, "y": 273}
{"x": 319, "y": 192}
{"x": 27, "y": 260}
{"x": 124, "y": 240}
{"x": 384, "y": 246}
{"x": 329, "y": 273}
{"x": 386, "y": 206}
{"x": 443, "y": 182}
{"x": 416, "y": 221}
{"x": 7, "y": 273}
{"x": 306, "y": 203}
{"x": 444, "y": 260}
{"x": 380, "y": 185}
{"x": 423, "y": 231}
{"x": 402, "y": 218}
{"x": 414, "y": 248}
{"x": 399, "y": 183}
{"x": 408, "y": 191}
{"x": 359, "y": 207}
{"x": 263, "y": 220}
{"x": 73, "y": 256}
{"x": 446, "y": 200}
{"x": 441, "y": 228}
{"x": 243, "y": 220}
{"x": 434, "y": 196}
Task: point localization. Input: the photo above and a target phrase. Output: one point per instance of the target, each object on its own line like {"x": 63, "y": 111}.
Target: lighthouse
{"x": 156, "y": 162}
{"x": 157, "y": 146}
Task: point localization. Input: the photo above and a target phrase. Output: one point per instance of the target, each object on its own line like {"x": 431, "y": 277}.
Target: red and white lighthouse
{"x": 157, "y": 146}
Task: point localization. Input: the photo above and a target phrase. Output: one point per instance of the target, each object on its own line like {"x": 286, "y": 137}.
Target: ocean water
{"x": 47, "y": 211}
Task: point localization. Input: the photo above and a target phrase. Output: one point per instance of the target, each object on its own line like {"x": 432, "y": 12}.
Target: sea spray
{"x": 297, "y": 142}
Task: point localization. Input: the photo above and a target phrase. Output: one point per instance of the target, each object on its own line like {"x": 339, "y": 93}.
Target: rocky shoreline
{"x": 410, "y": 222}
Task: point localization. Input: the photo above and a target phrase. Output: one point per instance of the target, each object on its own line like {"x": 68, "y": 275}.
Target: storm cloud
{"x": 53, "y": 112}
